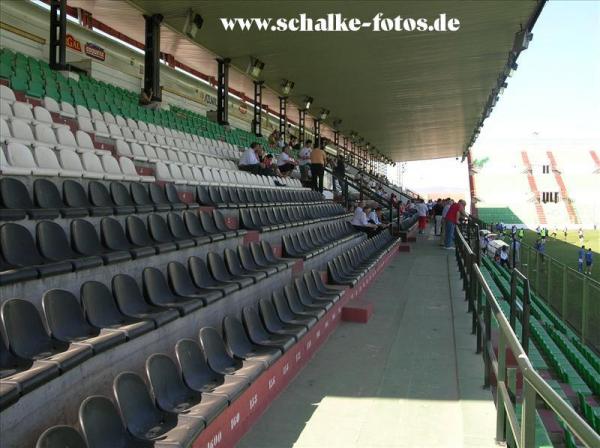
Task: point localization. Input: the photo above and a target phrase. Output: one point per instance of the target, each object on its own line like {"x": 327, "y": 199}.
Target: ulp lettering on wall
{"x": 95, "y": 51}
{"x": 212, "y": 443}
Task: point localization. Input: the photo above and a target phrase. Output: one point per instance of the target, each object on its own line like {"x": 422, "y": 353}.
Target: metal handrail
{"x": 534, "y": 386}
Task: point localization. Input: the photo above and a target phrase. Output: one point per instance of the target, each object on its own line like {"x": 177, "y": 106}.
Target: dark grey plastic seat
{"x": 140, "y": 196}
{"x": 272, "y": 258}
{"x": 122, "y": 198}
{"x": 102, "y": 426}
{"x": 258, "y": 334}
{"x": 54, "y": 246}
{"x": 307, "y": 299}
{"x": 288, "y": 316}
{"x": 194, "y": 226}
{"x": 204, "y": 279}
{"x": 19, "y": 251}
{"x": 10, "y": 273}
{"x": 20, "y": 376}
{"x": 249, "y": 263}
{"x": 173, "y": 198}
{"x": 298, "y": 307}
{"x": 183, "y": 285}
{"x": 67, "y": 323}
{"x": 242, "y": 348}
{"x": 100, "y": 197}
{"x": 208, "y": 224}
{"x": 222, "y": 226}
{"x": 314, "y": 291}
{"x": 47, "y": 196}
{"x": 14, "y": 196}
{"x": 158, "y": 293}
{"x": 138, "y": 234}
{"x": 215, "y": 196}
{"x": 85, "y": 241}
{"x": 273, "y": 323}
{"x": 145, "y": 421}
{"x": 28, "y": 339}
{"x": 172, "y": 395}
{"x": 220, "y": 273}
{"x": 247, "y": 222}
{"x": 113, "y": 238}
{"x": 261, "y": 260}
{"x": 180, "y": 231}
{"x": 131, "y": 302}
{"x": 237, "y": 270}
{"x": 61, "y": 436}
{"x": 203, "y": 196}
{"x": 101, "y": 311}
{"x": 158, "y": 197}
{"x": 160, "y": 232}
{"x": 324, "y": 289}
{"x": 219, "y": 359}
{"x": 74, "y": 195}
{"x": 198, "y": 375}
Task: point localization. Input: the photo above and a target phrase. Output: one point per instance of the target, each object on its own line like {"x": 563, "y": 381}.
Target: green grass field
{"x": 566, "y": 251}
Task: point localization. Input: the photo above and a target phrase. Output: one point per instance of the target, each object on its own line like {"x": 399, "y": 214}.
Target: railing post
{"x": 564, "y": 291}
{"x": 548, "y": 280}
{"x": 500, "y": 410}
{"x": 525, "y": 317}
{"x": 476, "y": 314}
{"x": 528, "y": 262}
{"x": 584, "y": 308}
{"x": 513, "y": 300}
{"x": 511, "y": 375}
{"x": 537, "y": 270}
{"x": 488, "y": 337}
{"x": 528, "y": 415}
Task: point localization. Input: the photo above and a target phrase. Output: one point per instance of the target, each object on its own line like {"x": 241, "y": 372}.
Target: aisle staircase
{"x": 573, "y": 219}
{"x": 533, "y": 186}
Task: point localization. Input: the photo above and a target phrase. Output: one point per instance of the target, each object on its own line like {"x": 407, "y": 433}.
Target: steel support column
{"x": 257, "y": 111}
{"x": 301, "y": 122}
{"x": 152, "y": 57}
{"x": 283, "y": 117}
{"x": 317, "y": 131}
{"x": 58, "y": 34}
{"x": 223, "y": 90}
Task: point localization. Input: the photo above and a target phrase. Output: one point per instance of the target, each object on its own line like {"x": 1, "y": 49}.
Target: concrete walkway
{"x": 408, "y": 378}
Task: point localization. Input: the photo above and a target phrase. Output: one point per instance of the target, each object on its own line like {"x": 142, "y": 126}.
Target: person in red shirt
{"x": 455, "y": 214}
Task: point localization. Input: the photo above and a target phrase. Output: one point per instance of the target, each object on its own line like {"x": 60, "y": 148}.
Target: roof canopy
{"x": 414, "y": 95}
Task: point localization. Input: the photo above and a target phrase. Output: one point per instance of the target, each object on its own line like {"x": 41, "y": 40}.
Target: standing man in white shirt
{"x": 305, "y": 160}
{"x": 422, "y": 211}
{"x": 250, "y": 161}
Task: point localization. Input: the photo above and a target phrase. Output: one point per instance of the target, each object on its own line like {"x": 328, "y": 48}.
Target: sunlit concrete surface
{"x": 408, "y": 378}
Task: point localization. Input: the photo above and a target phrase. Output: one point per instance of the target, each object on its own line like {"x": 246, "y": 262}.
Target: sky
{"x": 552, "y": 100}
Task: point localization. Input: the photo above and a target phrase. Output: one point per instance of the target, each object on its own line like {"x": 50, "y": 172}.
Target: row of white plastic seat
{"x": 153, "y": 154}
{"x": 115, "y": 132}
{"x": 20, "y": 160}
{"x": 25, "y": 112}
{"x": 43, "y": 134}
{"x": 193, "y": 175}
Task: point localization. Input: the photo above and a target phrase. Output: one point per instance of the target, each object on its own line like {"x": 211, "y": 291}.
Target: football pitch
{"x": 567, "y": 251}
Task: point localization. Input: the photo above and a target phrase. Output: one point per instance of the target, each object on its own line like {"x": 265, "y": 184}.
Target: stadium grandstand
{"x": 200, "y": 246}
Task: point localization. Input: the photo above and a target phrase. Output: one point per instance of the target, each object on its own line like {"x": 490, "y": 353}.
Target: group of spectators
{"x": 368, "y": 219}
{"x": 311, "y": 163}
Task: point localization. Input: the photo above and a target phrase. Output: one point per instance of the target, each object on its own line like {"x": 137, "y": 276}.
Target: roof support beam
{"x": 282, "y": 116}
{"x": 301, "y": 122}
{"x": 257, "y": 117}
{"x": 58, "y": 34}
{"x": 152, "y": 57}
{"x": 223, "y": 90}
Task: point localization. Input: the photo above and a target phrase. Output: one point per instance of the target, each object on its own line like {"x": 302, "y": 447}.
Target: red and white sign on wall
{"x": 95, "y": 51}
{"x": 73, "y": 43}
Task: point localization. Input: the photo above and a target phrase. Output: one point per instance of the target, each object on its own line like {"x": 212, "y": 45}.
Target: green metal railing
{"x": 483, "y": 305}
{"x": 574, "y": 296}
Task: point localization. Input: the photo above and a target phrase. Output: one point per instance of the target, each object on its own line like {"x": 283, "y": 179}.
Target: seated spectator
{"x": 361, "y": 222}
{"x": 270, "y": 169}
{"x": 250, "y": 160}
{"x": 285, "y": 163}
{"x": 305, "y": 160}
{"x": 376, "y": 217}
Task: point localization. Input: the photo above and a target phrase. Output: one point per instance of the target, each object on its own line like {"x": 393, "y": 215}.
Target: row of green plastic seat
{"x": 590, "y": 413}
